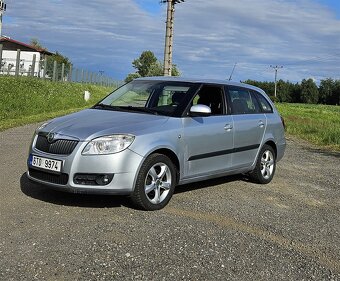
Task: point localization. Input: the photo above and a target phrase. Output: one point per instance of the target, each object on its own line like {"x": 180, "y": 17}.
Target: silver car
{"x": 155, "y": 133}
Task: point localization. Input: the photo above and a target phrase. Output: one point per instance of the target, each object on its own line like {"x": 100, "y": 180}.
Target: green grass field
{"x": 27, "y": 100}
{"x": 318, "y": 124}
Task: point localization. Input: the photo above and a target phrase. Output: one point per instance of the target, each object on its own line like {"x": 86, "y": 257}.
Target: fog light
{"x": 103, "y": 179}
{"x": 93, "y": 179}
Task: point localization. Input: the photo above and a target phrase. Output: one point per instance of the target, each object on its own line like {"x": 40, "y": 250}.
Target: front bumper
{"x": 124, "y": 167}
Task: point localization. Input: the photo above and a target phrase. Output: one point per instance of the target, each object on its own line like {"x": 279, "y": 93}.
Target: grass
{"x": 27, "y": 100}
{"x": 318, "y": 124}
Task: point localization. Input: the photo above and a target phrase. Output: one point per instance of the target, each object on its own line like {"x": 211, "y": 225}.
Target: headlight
{"x": 108, "y": 144}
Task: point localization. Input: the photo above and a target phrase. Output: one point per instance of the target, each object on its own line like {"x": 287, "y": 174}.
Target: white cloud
{"x": 210, "y": 37}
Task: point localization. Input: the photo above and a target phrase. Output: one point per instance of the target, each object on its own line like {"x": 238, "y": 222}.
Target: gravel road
{"x": 224, "y": 229}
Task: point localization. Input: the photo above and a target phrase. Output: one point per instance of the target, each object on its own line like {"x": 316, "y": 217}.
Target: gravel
{"x": 222, "y": 229}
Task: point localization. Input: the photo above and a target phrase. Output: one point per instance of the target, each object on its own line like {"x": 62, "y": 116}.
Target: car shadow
{"x": 209, "y": 183}
{"x": 43, "y": 193}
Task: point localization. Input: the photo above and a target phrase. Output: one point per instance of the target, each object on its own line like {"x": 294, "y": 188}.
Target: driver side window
{"x": 212, "y": 97}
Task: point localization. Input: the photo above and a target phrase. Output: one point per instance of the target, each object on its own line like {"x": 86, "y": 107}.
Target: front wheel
{"x": 265, "y": 166}
{"x": 155, "y": 183}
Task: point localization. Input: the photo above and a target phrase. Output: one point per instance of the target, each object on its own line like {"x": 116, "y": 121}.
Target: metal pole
{"x": 17, "y": 63}
{"x": 0, "y": 57}
{"x": 45, "y": 67}
{"x": 55, "y": 75}
{"x": 70, "y": 74}
{"x": 62, "y": 72}
{"x": 33, "y": 64}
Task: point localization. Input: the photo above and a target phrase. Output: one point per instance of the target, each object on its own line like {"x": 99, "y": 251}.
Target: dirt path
{"x": 224, "y": 229}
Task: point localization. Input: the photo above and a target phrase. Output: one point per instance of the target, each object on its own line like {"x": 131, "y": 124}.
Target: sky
{"x": 210, "y": 37}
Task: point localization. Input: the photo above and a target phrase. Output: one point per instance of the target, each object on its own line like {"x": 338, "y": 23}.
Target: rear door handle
{"x": 261, "y": 124}
{"x": 228, "y": 127}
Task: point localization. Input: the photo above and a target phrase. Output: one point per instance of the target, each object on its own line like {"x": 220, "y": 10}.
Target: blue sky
{"x": 210, "y": 36}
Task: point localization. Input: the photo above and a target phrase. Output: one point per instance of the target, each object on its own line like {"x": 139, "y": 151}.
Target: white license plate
{"x": 46, "y": 163}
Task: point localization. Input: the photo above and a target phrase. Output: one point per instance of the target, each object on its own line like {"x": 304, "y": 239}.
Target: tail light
{"x": 283, "y": 122}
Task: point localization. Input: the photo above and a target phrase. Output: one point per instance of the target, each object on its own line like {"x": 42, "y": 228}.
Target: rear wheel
{"x": 265, "y": 166}
{"x": 155, "y": 183}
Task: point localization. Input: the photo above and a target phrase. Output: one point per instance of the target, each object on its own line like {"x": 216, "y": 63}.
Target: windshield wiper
{"x": 126, "y": 108}
{"x": 104, "y": 106}
{"x": 110, "y": 107}
{"x": 140, "y": 109}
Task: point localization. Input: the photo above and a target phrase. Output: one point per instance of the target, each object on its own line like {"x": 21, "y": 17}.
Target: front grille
{"x": 64, "y": 147}
{"x": 47, "y": 177}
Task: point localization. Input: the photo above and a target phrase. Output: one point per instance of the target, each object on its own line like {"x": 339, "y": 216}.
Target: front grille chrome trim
{"x": 58, "y": 146}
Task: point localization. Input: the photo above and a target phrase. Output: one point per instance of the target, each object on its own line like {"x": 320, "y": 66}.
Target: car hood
{"x": 91, "y": 123}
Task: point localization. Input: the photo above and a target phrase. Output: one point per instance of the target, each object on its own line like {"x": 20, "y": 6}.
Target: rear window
{"x": 242, "y": 101}
{"x": 264, "y": 104}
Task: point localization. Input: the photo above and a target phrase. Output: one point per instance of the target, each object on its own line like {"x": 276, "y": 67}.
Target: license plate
{"x": 46, "y": 163}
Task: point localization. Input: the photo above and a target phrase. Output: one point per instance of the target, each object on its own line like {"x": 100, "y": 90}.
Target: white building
{"x": 9, "y": 57}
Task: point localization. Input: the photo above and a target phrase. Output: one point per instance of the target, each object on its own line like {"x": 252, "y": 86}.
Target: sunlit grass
{"x": 318, "y": 124}
{"x": 26, "y": 100}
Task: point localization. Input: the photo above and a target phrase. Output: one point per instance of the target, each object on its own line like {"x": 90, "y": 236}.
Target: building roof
{"x": 13, "y": 45}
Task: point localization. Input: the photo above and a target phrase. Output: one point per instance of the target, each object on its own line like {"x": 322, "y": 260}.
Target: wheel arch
{"x": 164, "y": 151}
{"x": 272, "y": 144}
{"x": 172, "y": 156}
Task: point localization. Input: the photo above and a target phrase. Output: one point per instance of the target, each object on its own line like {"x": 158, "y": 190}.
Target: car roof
{"x": 200, "y": 80}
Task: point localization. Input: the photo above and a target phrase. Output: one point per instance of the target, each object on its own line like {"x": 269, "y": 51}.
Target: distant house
{"x": 9, "y": 56}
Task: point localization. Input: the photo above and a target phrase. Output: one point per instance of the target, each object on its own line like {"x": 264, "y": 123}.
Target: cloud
{"x": 301, "y": 35}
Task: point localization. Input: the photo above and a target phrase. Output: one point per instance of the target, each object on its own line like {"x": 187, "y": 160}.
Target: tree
{"x": 131, "y": 76}
{"x": 144, "y": 62}
{"x": 36, "y": 44}
{"x": 309, "y": 91}
{"x": 326, "y": 89}
{"x": 60, "y": 59}
{"x": 148, "y": 65}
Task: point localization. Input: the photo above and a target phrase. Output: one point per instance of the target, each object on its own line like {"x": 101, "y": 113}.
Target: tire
{"x": 155, "y": 183}
{"x": 265, "y": 166}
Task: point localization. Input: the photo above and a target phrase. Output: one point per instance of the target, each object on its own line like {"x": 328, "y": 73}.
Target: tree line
{"x": 328, "y": 92}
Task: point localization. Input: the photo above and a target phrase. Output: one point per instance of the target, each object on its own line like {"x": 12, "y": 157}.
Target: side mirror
{"x": 200, "y": 110}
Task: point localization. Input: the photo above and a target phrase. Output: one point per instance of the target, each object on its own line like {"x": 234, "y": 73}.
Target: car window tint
{"x": 172, "y": 95}
{"x": 265, "y": 105}
{"x": 242, "y": 102}
{"x": 212, "y": 97}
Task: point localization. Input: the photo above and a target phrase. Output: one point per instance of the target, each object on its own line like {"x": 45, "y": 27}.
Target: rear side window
{"x": 242, "y": 101}
{"x": 265, "y": 105}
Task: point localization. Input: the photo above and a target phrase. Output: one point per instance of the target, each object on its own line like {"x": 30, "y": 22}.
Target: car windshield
{"x": 152, "y": 97}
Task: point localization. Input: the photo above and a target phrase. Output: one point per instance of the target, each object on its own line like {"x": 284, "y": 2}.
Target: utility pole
{"x": 169, "y": 34}
{"x": 3, "y": 6}
{"x": 276, "y": 68}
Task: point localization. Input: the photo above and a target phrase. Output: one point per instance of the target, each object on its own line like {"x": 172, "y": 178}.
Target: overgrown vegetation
{"x": 26, "y": 100}
{"x": 318, "y": 124}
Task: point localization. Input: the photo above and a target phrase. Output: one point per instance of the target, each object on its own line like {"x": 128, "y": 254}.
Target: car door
{"x": 249, "y": 126}
{"x": 208, "y": 140}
